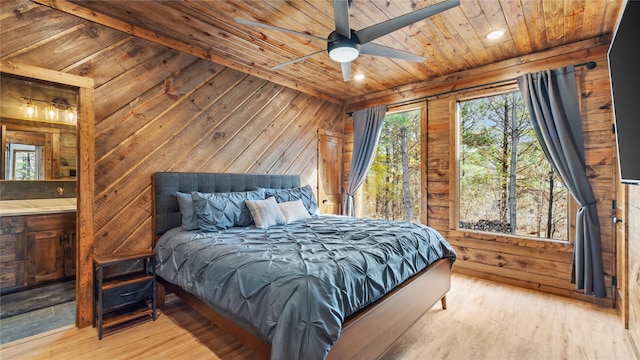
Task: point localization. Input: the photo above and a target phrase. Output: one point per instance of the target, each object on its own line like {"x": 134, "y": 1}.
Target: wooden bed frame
{"x": 365, "y": 335}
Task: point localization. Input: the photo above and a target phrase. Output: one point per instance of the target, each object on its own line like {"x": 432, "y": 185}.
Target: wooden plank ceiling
{"x": 451, "y": 41}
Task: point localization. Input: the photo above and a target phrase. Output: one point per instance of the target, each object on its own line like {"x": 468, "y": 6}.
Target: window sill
{"x": 506, "y": 238}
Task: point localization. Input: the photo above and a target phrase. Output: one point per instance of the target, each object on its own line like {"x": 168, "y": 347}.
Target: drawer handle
{"x": 129, "y": 293}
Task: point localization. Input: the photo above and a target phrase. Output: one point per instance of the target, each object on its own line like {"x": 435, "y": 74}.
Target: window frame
{"x": 454, "y": 163}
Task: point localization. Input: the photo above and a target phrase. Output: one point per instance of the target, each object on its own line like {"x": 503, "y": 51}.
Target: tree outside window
{"x": 392, "y": 187}
{"x": 506, "y": 183}
{"x": 24, "y": 165}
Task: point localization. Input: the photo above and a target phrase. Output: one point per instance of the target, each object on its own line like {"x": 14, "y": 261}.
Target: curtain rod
{"x": 589, "y": 64}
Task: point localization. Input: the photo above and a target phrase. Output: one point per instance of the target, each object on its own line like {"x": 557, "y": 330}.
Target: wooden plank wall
{"x": 540, "y": 265}
{"x": 633, "y": 226}
{"x": 157, "y": 109}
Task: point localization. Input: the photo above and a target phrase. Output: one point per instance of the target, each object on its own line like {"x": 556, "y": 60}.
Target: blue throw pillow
{"x": 303, "y": 193}
{"x": 189, "y": 217}
{"x": 219, "y": 211}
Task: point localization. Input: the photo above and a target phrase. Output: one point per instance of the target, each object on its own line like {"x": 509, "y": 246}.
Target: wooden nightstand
{"x": 129, "y": 294}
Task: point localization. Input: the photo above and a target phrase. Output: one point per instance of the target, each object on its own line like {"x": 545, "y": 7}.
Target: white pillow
{"x": 266, "y": 212}
{"x": 294, "y": 210}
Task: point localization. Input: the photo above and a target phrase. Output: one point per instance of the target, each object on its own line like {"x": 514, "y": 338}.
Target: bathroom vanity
{"x": 37, "y": 242}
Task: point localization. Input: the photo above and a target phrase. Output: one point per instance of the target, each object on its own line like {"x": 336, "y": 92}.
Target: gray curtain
{"x": 367, "y": 125}
{"x": 552, "y": 100}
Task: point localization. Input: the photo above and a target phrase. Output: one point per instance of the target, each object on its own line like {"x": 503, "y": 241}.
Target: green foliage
{"x": 488, "y": 130}
{"x": 25, "y": 165}
{"x": 384, "y": 188}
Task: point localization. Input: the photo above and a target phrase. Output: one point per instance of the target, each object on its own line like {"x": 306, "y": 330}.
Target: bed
{"x": 334, "y": 302}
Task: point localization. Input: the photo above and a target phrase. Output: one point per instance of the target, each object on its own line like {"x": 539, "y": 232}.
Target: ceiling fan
{"x": 345, "y": 44}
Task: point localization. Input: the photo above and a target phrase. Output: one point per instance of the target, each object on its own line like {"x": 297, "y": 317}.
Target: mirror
{"x": 38, "y": 129}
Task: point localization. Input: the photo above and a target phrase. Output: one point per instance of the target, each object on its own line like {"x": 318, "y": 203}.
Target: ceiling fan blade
{"x": 346, "y": 70}
{"x": 379, "y": 50}
{"x": 375, "y": 31}
{"x": 254, "y": 23}
{"x": 341, "y": 16}
{"x": 296, "y": 60}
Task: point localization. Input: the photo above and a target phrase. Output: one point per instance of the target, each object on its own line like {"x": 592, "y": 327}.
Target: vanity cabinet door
{"x": 48, "y": 238}
{"x": 13, "y": 250}
{"x": 47, "y": 260}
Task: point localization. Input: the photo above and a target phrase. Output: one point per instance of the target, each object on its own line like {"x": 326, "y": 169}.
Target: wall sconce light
{"x": 30, "y": 110}
{"x": 58, "y": 110}
{"x": 51, "y": 113}
{"x": 71, "y": 115}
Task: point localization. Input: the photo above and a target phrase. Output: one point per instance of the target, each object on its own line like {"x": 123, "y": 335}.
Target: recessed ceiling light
{"x": 358, "y": 77}
{"x": 495, "y": 34}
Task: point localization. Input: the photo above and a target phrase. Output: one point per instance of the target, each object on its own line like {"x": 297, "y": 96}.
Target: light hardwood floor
{"x": 484, "y": 320}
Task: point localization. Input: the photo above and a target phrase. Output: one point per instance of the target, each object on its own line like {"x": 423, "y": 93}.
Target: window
{"x": 24, "y": 165}
{"x": 506, "y": 184}
{"x": 392, "y": 187}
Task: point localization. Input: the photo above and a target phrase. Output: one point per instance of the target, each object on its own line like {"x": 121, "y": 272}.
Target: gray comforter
{"x": 293, "y": 285}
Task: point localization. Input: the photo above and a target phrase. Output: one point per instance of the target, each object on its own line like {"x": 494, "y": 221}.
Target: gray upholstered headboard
{"x": 166, "y": 213}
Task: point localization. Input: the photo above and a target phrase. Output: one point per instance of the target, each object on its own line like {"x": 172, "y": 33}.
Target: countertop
{"x": 37, "y": 206}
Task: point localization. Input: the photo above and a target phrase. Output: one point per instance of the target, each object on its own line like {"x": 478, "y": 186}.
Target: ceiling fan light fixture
{"x": 359, "y": 77}
{"x": 343, "y": 49}
{"x": 344, "y": 53}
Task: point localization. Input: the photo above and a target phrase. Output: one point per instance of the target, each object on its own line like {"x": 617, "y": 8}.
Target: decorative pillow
{"x": 303, "y": 193}
{"x": 219, "y": 211}
{"x": 189, "y": 216}
{"x": 266, "y": 212}
{"x": 294, "y": 210}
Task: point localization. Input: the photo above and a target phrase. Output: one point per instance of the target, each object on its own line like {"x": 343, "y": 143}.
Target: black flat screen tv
{"x": 624, "y": 74}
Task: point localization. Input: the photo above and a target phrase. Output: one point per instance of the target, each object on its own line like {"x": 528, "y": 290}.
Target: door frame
{"x": 85, "y": 177}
